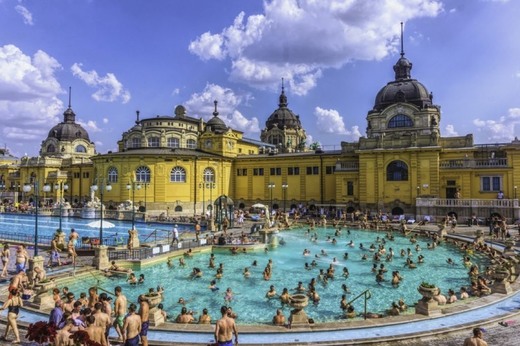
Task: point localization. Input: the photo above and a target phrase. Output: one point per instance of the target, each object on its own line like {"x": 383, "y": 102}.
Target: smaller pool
{"x": 249, "y": 299}
{"x": 47, "y": 225}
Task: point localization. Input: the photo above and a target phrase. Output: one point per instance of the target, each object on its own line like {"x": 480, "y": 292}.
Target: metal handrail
{"x": 367, "y": 295}
{"x": 154, "y": 233}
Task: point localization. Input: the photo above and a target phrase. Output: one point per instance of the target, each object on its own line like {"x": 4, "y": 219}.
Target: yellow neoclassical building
{"x": 177, "y": 164}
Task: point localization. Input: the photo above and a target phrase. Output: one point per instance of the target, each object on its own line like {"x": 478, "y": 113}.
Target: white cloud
{"x": 501, "y": 130}
{"x": 329, "y": 121}
{"x": 208, "y": 47}
{"x": 29, "y": 94}
{"x": 89, "y": 125}
{"x": 105, "y": 120}
{"x": 109, "y": 89}
{"x": 26, "y": 14}
{"x": 176, "y": 91}
{"x": 297, "y": 39}
{"x": 450, "y": 131}
{"x": 202, "y": 104}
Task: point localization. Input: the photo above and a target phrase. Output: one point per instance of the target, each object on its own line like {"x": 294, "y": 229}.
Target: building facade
{"x": 178, "y": 164}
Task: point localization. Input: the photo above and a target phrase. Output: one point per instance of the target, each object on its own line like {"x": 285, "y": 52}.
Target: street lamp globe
{"x": 26, "y": 188}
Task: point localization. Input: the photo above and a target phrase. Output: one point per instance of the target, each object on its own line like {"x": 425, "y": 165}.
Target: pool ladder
{"x": 367, "y": 295}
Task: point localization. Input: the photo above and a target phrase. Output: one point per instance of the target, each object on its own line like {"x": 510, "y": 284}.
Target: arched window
{"x": 178, "y": 175}
{"x": 397, "y": 171}
{"x": 173, "y": 142}
{"x": 154, "y": 142}
{"x": 209, "y": 175}
{"x": 178, "y": 208}
{"x": 142, "y": 174}
{"x": 400, "y": 120}
{"x": 81, "y": 149}
{"x": 112, "y": 175}
{"x": 191, "y": 144}
{"x": 51, "y": 148}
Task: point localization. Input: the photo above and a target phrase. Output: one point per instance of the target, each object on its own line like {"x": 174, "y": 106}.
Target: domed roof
{"x": 403, "y": 88}
{"x": 68, "y": 130}
{"x": 283, "y": 116}
{"x": 216, "y": 124}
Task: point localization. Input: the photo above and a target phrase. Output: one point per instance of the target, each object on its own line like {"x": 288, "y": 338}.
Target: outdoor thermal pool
{"x": 288, "y": 269}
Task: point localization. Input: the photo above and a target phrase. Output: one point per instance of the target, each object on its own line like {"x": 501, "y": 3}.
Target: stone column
{"x": 100, "y": 260}
{"x": 298, "y": 317}
{"x": 43, "y": 298}
{"x": 35, "y": 262}
{"x": 427, "y": 305}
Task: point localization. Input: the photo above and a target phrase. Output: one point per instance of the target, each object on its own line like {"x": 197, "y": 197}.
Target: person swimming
{"x": 213, "y": 286}
{"x": 228, "y": 296}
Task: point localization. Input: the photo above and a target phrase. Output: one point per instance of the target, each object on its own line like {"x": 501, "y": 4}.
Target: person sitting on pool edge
{"x": 279, "y": 318}
{"x": 185, "y": 316}
{"x": 205, "y": 318}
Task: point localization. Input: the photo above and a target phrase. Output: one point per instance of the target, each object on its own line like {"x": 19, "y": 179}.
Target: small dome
{"x": 68, "y": 130}
{"x": 283, "y": 116}
{"x": 216, "y": 124}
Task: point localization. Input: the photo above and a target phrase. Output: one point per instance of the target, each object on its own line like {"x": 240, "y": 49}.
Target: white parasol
{"x": 97, "y": 224}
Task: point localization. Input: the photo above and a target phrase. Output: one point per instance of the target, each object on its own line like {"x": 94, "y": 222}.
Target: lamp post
{"x": 145, "y": 187}
{"x": 61, "y": 187}
{"x": 271, "y": 186}
{"x": 211, "y": 186}
{"x": 102, "y": 187}
{"x": 2, "y": 188}
{"x": 513, "y": 205}
{"x": 284, "y": 194}
{"x": 27, "y": 188}
{"x": 133, "y": 185}
{"x": 202, "y": 185}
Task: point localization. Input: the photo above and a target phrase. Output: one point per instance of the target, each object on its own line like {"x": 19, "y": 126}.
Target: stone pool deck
{"x": 450, "y": 334}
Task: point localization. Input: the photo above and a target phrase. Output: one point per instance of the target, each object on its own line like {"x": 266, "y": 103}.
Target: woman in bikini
{"x": 12, "y": 305}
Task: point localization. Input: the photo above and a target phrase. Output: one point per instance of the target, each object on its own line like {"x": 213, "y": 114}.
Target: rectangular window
{"x": 330, "y": 169}
{"x": 293, "y": 170}
{"x": 77, "y": 175}
{"x": 242, "y": 172}
{"x": 154, "y": 142}
{"x": 136, "y": 142}
{"x": 350, "y": 188}
{"x": 276, "y": 171}
{"x": 314, "y": 170}
{"x": 86, "y": 174}
{"x": 258, "y": 171}
{"x": 492, "y": 184}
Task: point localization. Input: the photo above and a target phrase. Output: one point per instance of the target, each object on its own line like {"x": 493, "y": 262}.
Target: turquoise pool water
{"x": 249, "y": 300}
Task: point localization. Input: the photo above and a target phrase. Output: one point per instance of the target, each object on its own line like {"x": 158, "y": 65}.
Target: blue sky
{"x": 123, "y": 56}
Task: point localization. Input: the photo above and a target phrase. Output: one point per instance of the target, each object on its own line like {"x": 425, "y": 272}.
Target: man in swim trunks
{"x": 55, "y": 252}
{"x": 225, "y": 328}
{"x": 120, "y": 306}
{"x": 21, "y": 258}
{"x": 132, "y": 327}
{"x": 144, "y": 314}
